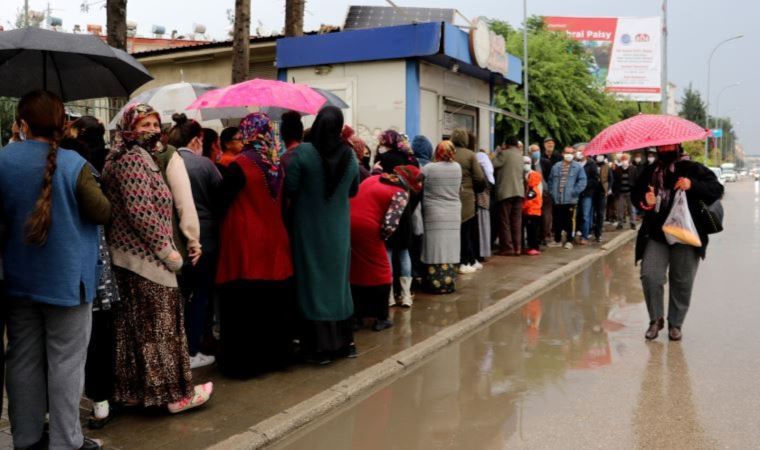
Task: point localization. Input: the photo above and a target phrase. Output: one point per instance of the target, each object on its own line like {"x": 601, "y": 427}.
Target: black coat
{"x": 704, "y": 186}
{"x": 393, "y": 158}
{"x": 593, "y": 181}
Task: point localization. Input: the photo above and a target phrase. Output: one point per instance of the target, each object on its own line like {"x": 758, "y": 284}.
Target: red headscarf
{"x": 411, "y": 176}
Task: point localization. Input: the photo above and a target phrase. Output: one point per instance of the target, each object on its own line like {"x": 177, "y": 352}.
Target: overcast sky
{"x": 695, "y": 27}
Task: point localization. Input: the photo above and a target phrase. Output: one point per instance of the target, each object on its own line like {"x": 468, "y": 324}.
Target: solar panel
{"x": 360, "y": 17}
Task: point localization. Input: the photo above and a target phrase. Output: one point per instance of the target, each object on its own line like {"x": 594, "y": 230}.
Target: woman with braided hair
{"x": 50, "y": 205}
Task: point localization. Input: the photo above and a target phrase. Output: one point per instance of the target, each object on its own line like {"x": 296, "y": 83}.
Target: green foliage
{"x": 7, "y": 116}
{"x": 692, "y": 106}
{"x": 565, "y": 100}
{"x": 629, "y": 109}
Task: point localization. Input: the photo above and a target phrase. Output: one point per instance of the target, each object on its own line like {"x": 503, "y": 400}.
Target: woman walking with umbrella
{"x": 654, "y": 193}
{"x": 675, "y": 264}
{"x": 321, "y": 178}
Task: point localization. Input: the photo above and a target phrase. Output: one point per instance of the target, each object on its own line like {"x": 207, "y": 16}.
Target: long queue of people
{"x": 125, "y": 264}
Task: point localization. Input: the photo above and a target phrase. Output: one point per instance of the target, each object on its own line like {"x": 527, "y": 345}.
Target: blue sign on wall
{"x": 717, "y": 133}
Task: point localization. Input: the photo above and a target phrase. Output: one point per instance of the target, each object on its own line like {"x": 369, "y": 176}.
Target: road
{"x": 571, "y": 369}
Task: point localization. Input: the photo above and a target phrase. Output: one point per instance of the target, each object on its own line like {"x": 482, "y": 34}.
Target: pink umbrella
{"x": 260, "y": 93}
{"x": 642, "y": 131}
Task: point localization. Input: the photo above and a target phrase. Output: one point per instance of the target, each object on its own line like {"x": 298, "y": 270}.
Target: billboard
{"x": 626, "y": 52}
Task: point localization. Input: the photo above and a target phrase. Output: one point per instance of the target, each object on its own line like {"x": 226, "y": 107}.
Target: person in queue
{"x": 510, "y": 193}
{"x": 603, "y": 190}
{"x": 473, "y": 181}
{"x": 152, "y": 369}
{"x": 231, "y": 143}
{"x": 531, "y": 207}
{"x": 376, "y": 213}
{"x": 211, "y": 147}
{"x": 321, "y": 178}
{"x": 567, "y": 182}
{"x": 255, "y": 263}
{"x": 197, "y": 280}
{"x": 51, "y": 205}
{"x": 661, "y": 263}
{"x": 291, "y": 131}
{"x": 585, "y": 213}
{"x": 625, "y": 181}
{"x": 548, "y": 159}
{"x": 441, "y": 207}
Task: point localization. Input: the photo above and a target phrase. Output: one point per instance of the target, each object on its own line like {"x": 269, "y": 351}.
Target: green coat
{"x": 321, "y": 236}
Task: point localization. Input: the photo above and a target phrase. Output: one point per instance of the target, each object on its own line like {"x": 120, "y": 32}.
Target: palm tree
{"x": 116, "y": 23}
{"x": 241, "y": 41}
{"x": 294, "y": 10}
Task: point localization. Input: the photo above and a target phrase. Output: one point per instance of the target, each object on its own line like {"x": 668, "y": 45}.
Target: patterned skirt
{"x": 151, "y": 363}
{"x": 440, "y": 278}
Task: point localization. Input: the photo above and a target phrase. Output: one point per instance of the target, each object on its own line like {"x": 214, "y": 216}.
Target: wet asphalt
{"x": 571, "y": 369}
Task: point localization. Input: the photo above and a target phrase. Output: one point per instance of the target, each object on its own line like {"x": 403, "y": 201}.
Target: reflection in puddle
{"x": 483, "y": 391}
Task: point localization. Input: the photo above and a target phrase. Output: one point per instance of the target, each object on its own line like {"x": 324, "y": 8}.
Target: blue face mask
{"x": 536, "y": 156}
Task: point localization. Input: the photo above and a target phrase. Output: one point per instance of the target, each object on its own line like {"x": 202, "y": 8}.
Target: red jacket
{"x": 254, "y": 243}
{"x": 369, "y": 259}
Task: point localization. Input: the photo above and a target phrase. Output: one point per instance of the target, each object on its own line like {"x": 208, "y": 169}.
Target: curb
{"x": 277, "y": 427}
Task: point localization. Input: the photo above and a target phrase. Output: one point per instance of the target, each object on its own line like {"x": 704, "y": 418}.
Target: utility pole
{"x": 526, "y": 143}
{"x": 26, "y": 13}
{"x": 664, "y": 90}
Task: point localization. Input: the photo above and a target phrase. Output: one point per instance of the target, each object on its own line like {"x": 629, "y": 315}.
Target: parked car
{"x": 718, "y": 173}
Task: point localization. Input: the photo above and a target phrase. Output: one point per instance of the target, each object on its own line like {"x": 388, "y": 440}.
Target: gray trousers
{"x": 675, "y": 264}
{"x": 624, "y": 206}
{"x": 46, "y": 338}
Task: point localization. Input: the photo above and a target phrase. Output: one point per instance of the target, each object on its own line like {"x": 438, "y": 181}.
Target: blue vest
{"x": 62, "y": 271}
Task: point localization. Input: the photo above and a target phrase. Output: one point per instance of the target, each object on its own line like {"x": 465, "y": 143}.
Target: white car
{"x": 718, "y": 173}
{"x": 729, "y": 176}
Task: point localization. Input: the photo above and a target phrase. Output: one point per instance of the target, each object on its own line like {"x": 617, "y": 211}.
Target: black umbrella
{"x": 74, "y": 66}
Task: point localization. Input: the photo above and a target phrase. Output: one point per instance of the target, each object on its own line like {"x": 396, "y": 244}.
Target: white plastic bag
{"x": 679, "y": 227}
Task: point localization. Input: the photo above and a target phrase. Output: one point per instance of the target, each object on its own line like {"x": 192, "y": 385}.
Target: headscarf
{"x": 423, "y": 149}
{"x": 445, "y": 152}
{"x": 262, "y": 147}
{"x": 126, "y": 136}
{"x": 392, "y": 140}
{"x": 408, "y": 177}
{"x": 334, "y": 152}
{"x": 352, "y": 139}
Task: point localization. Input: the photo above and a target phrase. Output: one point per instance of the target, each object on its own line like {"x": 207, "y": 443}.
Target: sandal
{"x": 201, "y": 394}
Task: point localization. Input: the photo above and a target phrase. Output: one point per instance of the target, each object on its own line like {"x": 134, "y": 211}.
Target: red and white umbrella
{"x": 643, "y": 131}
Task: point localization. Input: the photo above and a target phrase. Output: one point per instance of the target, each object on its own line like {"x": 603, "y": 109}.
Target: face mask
{"x": 650, "y": 159}
{"x": 618, "y": 156}
{"x": 667, "y": 157}
{"x": 637, "y": 160}
{"x": 579, "y": 155}
{"x": 526, "y": 167}
{"x": 600, "y": 158}
{"x": 625, "y": 164}
{"x": 536, "y": 156}
{"x": 382, "y": 149}
{"x": 22, "y": 135}
{"x": 568, "y": 157}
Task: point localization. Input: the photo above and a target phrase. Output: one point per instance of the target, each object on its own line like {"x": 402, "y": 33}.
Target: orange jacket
{"x": 532, "y": 206}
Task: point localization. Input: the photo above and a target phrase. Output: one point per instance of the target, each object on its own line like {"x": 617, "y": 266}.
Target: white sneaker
{"x": 466, "y": 268}
{"x": 201, "y": 360}
{"x": 554, "y": 244}
{"x": 568, "y": 246}
{"x": 477, "y": 265}
{"x": 100, "y": 410}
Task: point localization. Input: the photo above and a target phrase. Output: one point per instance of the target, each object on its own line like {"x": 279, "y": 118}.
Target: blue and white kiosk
{"x": 425, "y": 78}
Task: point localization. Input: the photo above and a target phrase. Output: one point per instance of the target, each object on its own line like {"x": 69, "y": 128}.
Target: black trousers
{"x": 469, "y": 241}
{"x": 533, "y": 231}
{"x": 564, "y": 220}
{"x": 99, "y": 368}
{"x": 371, "y": 301}
{"x": 600, "y": 211}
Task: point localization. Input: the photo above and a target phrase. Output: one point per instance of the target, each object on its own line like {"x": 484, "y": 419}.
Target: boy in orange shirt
{"x": 532, "y": 206}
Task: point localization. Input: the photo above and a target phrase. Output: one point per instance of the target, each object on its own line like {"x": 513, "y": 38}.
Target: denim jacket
{"x": 576, "y": 183}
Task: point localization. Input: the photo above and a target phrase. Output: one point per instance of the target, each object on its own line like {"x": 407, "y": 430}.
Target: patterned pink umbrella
{"x": 260, "y": 93}
{"x": 642, "y": 131}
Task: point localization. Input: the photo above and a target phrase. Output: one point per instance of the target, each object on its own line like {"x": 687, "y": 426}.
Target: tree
{"x": 241, "y": 41}
{"x": 294, "y": 11}
{"x": 565, "y": 100}
{"x": 116, "y": 23}
{"x": 692, "y": 106}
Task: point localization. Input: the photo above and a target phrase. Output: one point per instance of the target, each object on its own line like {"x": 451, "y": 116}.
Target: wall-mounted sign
{"x": 488, "y": 49}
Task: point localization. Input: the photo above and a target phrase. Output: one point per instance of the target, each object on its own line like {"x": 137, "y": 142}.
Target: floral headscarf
{"x": 262, "y": 147}
{"x": 126, "y": 136}
{"x": 445, "y": 152}
{"x": 411, "y": 175}
{"x": 392, "y": 140}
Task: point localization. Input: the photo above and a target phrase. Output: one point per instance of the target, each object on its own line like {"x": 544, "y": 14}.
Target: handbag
{"x": 710, "y": 217}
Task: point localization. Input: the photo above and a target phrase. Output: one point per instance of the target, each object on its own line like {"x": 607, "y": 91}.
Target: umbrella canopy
{"x": 260, "y": 94}
{"x": 74, "y": 66}
{"x": 175, "y": 98}
{"x": 645, "y": 130}
{"x": 331, "y": 99}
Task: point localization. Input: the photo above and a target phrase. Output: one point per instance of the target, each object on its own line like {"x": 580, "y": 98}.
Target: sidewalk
{"x": 239, "y": 405}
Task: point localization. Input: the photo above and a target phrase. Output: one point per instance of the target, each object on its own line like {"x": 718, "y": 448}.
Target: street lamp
{"x": 709, "y": 67}
{"x": 717, "y": 111}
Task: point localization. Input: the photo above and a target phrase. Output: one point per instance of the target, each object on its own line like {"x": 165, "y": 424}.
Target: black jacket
{"x": 704, "y": 186}
{"x": 393, "y": 158}
{"x": 593, "y": 182}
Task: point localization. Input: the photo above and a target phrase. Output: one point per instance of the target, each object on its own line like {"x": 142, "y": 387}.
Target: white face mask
{"x": 651, "y": 159}
{"x": 382, "y": 149}
{"x": 600, "y": 158}
{"x": 579, "y": 156}
{"x": 625, "y": 164}
{"x": 637, "y": 159}
{"x": 568, "y": 157}
{"x": 526, "y": 167}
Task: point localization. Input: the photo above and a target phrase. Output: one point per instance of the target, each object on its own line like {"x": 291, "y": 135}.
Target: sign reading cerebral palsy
{"x": 626, "y": 52}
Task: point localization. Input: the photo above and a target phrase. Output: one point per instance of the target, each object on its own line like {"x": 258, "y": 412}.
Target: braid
{"x": 38, "y": 224}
